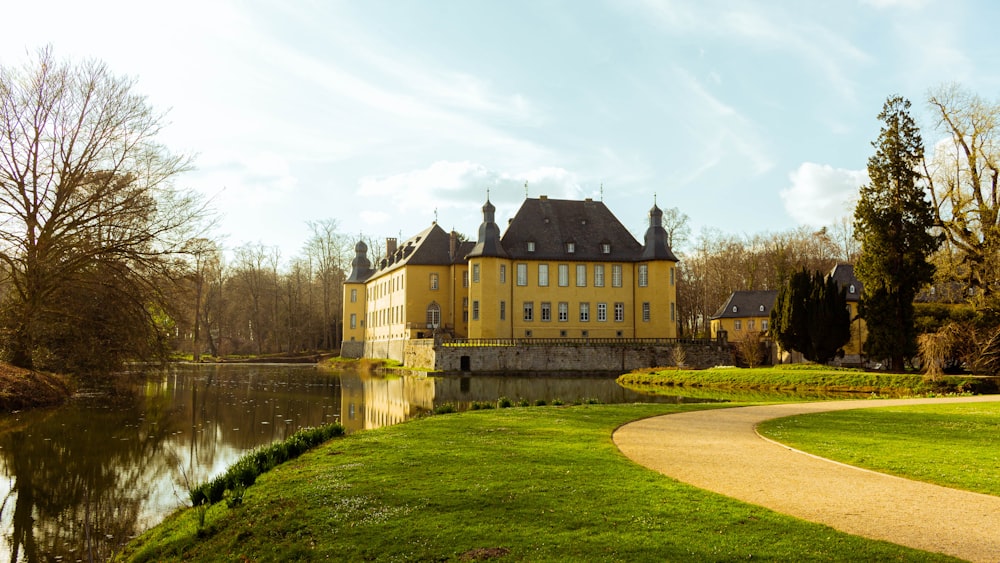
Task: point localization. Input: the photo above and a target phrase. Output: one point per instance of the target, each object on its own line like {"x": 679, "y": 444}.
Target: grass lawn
{"x": 956, "y": 445}
{"x": 796, "y": 377}
{"x": 517, "y": 484}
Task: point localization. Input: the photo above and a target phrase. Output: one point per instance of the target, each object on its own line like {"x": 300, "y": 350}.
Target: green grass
{"x": 955, "y": 445}
{"x": 796, "y": 377}
{"x": 527, "y": 484}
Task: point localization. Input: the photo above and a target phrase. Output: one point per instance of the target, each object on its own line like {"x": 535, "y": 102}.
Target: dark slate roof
{"x": 361, "y": 268}
{"x": 428, "y": 247}
{"x": 488, "y": 243}
{"x": 656, "y": 246}
{"x": 843, "y": 274}
{"x": 748, "y": 304}
{"x": 551, "y": 223}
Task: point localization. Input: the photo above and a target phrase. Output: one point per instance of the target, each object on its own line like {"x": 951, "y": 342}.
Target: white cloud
{"x": 820, "y": 193}
{"x": 455, "y": 191}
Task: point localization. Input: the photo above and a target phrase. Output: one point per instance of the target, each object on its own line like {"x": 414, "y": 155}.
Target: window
{"x": 619, "y": 312}
{"x": 475, "y": 273}
{"x": 546, "y": 311}
{"x": 433, "y": 315}
{"x": 671, "y": 275}
{"x": 531, "y": 246}
{"x": 643, "y": 275}
{"x": 673, "y": 312}
{"x": 563, "y": 275}
{"x": 852, "y": 288}
{"x": 354, "y": 296}
{"x": 529, "y": 311}
{"x": 584, "y": 312}
{"x": 605, "y": 248}
{"x": 761, "y": 308}
{"x": 750, "y": 324}
{"x": 616, "y": 275}
{"x": 734, "y": 308}
{"x": 465, "y": 278}
{"x": 503, "y": 273}
{"x": 434, "y": 281}
{"x": 503, "y": 310}
{"x": 475, "y": 310}
{"x": 522, "y": 274}
{"x": 527, "y": 334}
{"x": 598, "y": 275}
{"x": 763, "y": 325}
{"x": 602, "y": 312}
{"x": 581, "y": 275}
{"x": 354, "y": 320}
{"x": 738, "y": 324}
{"x": 563, "y": 311}
{"x": 645, "y": 311}
{"x": 543, "y": 275}
{"x": 570, "y": 247}
{"x": 562, "y": 334}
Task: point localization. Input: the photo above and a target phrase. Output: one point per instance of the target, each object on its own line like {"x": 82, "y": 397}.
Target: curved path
{"x": 719, "y": 450}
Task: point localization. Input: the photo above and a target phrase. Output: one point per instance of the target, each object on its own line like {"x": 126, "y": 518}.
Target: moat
{"x": 81, "y": 480}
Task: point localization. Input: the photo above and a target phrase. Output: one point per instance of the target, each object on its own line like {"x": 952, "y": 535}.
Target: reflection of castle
{"x": 373, "y": 402}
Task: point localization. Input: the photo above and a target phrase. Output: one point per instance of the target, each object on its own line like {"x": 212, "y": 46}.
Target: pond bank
{"x": 24, "y": 389}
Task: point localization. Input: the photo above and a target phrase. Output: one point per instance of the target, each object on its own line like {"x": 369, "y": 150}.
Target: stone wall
{"x": 352, "y": 349}
{"x": 621, "y": 357}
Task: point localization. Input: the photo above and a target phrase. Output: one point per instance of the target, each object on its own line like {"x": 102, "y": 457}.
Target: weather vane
{"x": 525, "y": 189}
{"x": 602, "y": 191}
{"x": 435, "y": 214}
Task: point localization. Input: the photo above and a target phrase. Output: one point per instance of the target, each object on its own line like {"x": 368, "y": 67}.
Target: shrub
{"x": 247, "y": 468}
{"x": 446, "y": 408}
{"x": 504, "y": 403}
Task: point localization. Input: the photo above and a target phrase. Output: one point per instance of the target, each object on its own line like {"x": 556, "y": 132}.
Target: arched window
{"x": 433, "y": 315}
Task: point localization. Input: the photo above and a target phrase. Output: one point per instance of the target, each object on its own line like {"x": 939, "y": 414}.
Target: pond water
{"x": 79, "y": 481}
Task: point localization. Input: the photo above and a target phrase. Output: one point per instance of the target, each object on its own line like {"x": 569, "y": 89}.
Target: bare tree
{"x": 963, "y": 175}
{"x": 90, "y": 222}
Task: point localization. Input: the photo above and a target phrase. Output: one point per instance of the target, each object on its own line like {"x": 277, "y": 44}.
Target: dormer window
{"x": 734, "y": 308}
{"x": 852, "y": 288}
{"x": 605, "y": 248}
{"x": 761, "y": 308}
{"x": 570, "y": 247}
{"x": 531, "y": 246}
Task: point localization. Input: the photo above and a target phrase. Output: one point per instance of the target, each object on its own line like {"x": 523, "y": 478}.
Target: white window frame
{"x": 522, "y": 274}
{"x": 563, "y": 270}
{"x": 543, "y": 275}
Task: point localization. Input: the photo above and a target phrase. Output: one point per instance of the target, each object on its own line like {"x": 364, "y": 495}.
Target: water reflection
{"x": 78, "y": 481}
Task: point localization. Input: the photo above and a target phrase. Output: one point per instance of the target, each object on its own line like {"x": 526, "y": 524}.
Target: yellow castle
{"x": 563, "y": 269}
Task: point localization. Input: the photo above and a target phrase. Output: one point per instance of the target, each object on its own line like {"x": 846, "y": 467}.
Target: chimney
{"x": 390, "y": 246}
{"x": 453, "y": 244}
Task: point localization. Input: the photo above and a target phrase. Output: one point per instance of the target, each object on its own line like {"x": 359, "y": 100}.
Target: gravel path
{"x": 720, "y": 450}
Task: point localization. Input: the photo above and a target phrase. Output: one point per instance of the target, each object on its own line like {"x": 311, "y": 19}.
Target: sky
{"x": 747, "y": 116}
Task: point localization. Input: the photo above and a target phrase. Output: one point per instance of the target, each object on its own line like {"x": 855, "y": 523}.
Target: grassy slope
{"x": 798, "y": 377}
{"x": 546, "y": 483}
{"x": 955, "y": 445}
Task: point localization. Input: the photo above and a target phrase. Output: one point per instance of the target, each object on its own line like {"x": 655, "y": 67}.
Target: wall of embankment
{"x": 568, "y": 357}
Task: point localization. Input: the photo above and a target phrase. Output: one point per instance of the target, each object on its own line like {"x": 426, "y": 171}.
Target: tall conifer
{"x": 893, "y": 221}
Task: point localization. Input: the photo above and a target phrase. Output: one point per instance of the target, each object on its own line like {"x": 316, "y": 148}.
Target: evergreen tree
{"x": 811, "y": 316}
{"x": 893, "y": 221}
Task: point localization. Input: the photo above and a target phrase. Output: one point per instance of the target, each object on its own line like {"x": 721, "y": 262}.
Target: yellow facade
{"x": 354, "y": 312}
{"x": 435, "y": 286}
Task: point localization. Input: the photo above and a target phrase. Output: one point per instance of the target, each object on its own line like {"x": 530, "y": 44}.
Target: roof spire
{"x": 602, "y": 191}
{"x": 525, "y": 189}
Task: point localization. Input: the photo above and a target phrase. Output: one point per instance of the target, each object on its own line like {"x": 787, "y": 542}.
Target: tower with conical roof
{"x": 656, "y": 282}
{"x": 489, "y": 288}
{"x": 355, "y": 299}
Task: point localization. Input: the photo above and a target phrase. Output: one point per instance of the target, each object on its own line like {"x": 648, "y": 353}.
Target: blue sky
{"x": 748, "y": 116}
